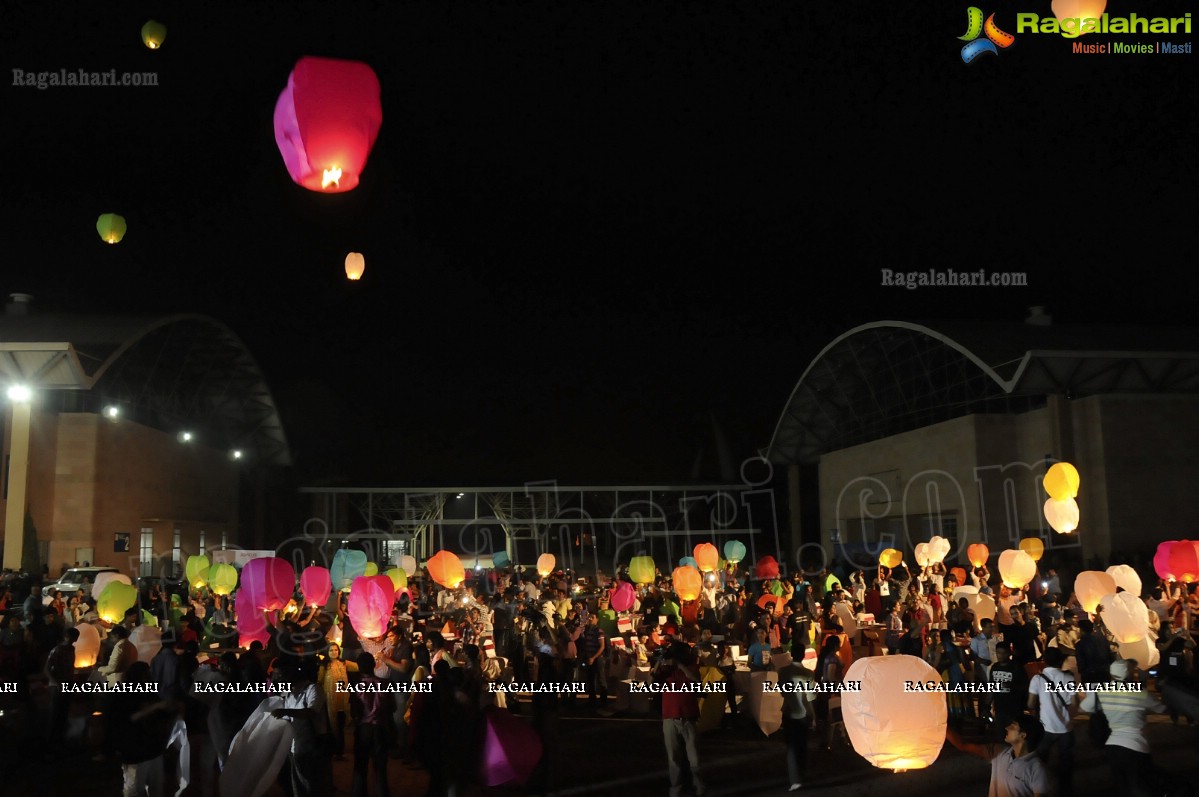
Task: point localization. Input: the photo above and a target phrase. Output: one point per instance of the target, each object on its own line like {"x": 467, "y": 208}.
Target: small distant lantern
{"x": 111, "y": 228}
{"x": 408, "y": 563}
{"x": 399, "y": 579}
{"x": 116, "y": 599}
{"x": 767, "y": 567}
{"x": 545, "y": 564}
{"x": 372, "y": 569}
{"x": 446, "y": 569}
{"x": 734, "y": 551}
{"x": 687, "y": 582}
{"x": 642, "y": 569}
{"x": 347, "y": 565}
{"x": 890, "y": 557}
{"x": 315, "y": 585}
{"x": 87, "y": 646}
{"x": 326, "y": 122}
{"x": 1090, "y": 586}
{"x": 978, "y": 554}
{"x": 355, "y": 265}
{"x": 1061, "y": 481}
{"x": 369, "y": 605}
{"x": 706, "y": 556}
{"x": 1126, "y": 578}
{"x": 1033, "y": 547}
{"x": 222, "y": 578}
{"x": 1016, "y": 568}
{"x": 1062, "y": 516}
{"x": 891, "y": 728}
{"x": 154, "y": 34}
{"x": 196, "y": 570}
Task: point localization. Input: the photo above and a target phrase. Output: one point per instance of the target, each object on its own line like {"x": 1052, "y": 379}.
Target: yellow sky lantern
{"x": 1033, "y": 547}
{"x": 1061, "y": 481}
{"x": 642, "y": 569}
{"x": 1071, "y": 14}
{"x": 154, "y": 34}
{"x": 111, "y": 227}
{"x": 890, "y": 557}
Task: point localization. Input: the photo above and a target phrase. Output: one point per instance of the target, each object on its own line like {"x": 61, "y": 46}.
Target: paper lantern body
{"x": 87, "y": 646}
{"x": 1016, "y": 568}
{"x": 372, "y": 569}
{"x": 222, "y": 579}
{"x": 921, "y": 554}
{"x": 499, "y": 559}
{"x": 688, "y": 582}
{"x": 399, "y": 579}
{"x": 1078, "y": 10}
{"x": 688, "y": 561}
{"x": 196, "y": 570}
{"x": 978, "y": 554}
{"x": 1033, "y": 547}
{"x": 1126, "y": 616}
{"x": 888, "y": 727}
{"x": 347, "y": 565}
{"x": 409, "y": 564}
{"x": 326, "y": 122}
{"x": 938, "y": 549}
{"x": 1090, "y": 586}
{"x": 1177, "y": 560}
{"x": 116, "y": 599}
{"x": 960, "y": 574}
{"x": 623, "y": 597}
{"x": 269, "y": 581}
{"x": 1062, "y": 516}
{"x": 355, "y": 266}
{"x": 511, "y": 750}
{"x": 707, "y": 557}
{"x": 148, "y": 641}
{"x": 983, "y": 605}
{"x": 369, "y": 606}
{"x": 890, "y": 557}
{"x": 642, "y": 569}
{"x": 766, "y": 567}
{"x": 111, "y": 228}
{"x": 1143, "y": 650}
{"x": 734, "y": 551}
{"x": 316, "y": 584}
{"x": 1126, "y": 578}
{"x": 251, "y": 625}
{"x": 154, "y": 34}
{"x": 830, "y": 582}
{"x": 1061, "y": 481}
{"x": 104, "y": 579}
{"x": 446, "y": 569}
{"x": 545, "y": 564}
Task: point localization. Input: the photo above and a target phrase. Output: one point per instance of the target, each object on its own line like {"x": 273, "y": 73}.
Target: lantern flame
{"x": 331, "y": 177}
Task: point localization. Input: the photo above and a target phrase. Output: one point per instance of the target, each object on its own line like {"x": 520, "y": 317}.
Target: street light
{"x": 19, "y": 393}
{"x": 185, "y": 437}
{"x": 112, "y": 411}
{"x": 236, "y": 453}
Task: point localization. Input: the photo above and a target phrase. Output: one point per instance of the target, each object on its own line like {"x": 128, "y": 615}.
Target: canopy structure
{"x": 176, "y": 372}
{"x": 888, "y": 377}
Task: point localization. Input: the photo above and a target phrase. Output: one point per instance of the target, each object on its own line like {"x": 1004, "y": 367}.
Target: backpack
{"x": 1099, "y": 729}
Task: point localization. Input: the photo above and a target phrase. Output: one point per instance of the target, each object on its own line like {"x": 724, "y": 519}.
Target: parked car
{"x": 74, "y": 579}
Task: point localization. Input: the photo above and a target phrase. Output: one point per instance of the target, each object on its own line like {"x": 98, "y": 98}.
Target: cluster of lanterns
{"x": 1177, "y": 560}
{"x": 1061, "y": 510}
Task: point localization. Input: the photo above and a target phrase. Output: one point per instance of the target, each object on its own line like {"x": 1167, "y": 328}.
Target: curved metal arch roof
{"x": 178, "y": 371}
{"x": 888, "y": 377}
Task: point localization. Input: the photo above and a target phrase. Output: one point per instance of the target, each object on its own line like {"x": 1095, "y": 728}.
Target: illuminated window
{"x": 201, "y": 542}
{"x": 146, "y": 553}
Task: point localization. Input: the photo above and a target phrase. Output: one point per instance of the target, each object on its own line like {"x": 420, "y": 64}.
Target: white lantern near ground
{"x": 1144, "y": 651}
{"x": 983, "y": 606}
{"x": 408, "y": 563}
{"x": 938, "y": 549}
{"x": 148, "y": 641}
{"x": 87, "y": 646}
{"x": 922, "y": 554}
{"x": 1016, "y": 568}
{"x": 1126, "y": 616}
{"x": 1126, "y": 578}
{"x": 1090, "y": 586}
{"x": 888, "y": 726}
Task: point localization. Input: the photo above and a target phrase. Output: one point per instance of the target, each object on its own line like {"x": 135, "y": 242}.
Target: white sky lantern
{"x": 87, "y": 646}
{"x": 1143, "y": 650}
{"x": 1016, "y": 568}
{"x": 1126, "y": 616}
{"x": 983, "y": 606}
{"x": 1126, "y": 578}
{"x": 1090, "y": 586}
{"x": 922, "y": 554}
{"x": 147, "y": 640}
{"x": 938, "y": 549}
{"x": 1062, "y": 515}
{"x": 545, "y": 564}
{"x": 891, "y": 728}
{"x": 409, "y": 564}
{"x": 355, "y": 266}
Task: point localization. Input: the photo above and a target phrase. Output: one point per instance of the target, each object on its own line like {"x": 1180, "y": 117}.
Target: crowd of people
{"x": 505, "y": 626}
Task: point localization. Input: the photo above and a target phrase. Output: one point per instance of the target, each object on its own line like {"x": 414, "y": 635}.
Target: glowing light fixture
{"x": 19, "y": 393}
{"x": 112, "y": 411}
{"x": 185, "y": 437}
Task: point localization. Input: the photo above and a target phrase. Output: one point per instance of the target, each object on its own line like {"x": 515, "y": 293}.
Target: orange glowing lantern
{"x": 545, "y": 564}
{"x": 1033, "y": 547}
{"x": 355, "y": 266}
{"x": 978, "y": 554}
{"x": 707, "y": 557}
{"x": 87, "y": 646}
{"x": 446, "y": 569}
{"x": 1078, "y": 17}
{"x": 688, "y": 582}
{"x": 1090, "y": 586}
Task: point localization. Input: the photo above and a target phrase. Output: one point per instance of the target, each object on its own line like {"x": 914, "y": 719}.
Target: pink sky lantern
{"x": 269, "y": 581}
{"x": 511, "y": 750}
{"x": 326, "y": 122}
{"x": 251, "y": 625}
{"x": 623, "y": 597}
{"x": 369, "y": 606}
{"x": 766, "y": 567}
{"x": 1177, "y": 560}
{"x": 316, "y": 584}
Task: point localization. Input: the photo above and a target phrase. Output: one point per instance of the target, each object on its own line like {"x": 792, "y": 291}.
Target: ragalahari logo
{"x": 994, "y": 41}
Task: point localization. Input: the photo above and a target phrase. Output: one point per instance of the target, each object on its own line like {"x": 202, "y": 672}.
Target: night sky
{"x": 591, "y": 229}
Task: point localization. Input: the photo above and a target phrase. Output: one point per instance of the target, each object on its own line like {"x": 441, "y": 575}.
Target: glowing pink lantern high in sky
{"x": 316, "y": 585}
{"x": 369, "y": 605}
{"x": 326, "y": 122}
{"x": 268, "y": 582}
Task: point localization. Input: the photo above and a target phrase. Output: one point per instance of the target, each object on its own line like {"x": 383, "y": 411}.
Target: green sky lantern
{"x": 154, "y": 34}
{"x": 111, "y": 227}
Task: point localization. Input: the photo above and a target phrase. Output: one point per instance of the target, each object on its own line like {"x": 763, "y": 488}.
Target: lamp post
{"x": 18, "y": 468}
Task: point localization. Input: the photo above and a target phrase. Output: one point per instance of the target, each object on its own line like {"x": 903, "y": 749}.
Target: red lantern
{"x": 687, "y": 582}
{"x": 326, "y": 122}
{"x": 446, "y": 569}
{"x": 707, "y": 557}
{"x": 269, "y": 583}
{"x": 316, "y": 584}
{"x": 1177, "y": 560}
{"x": 960, "y": 572}
{"x": 766, "y": 567}
{"x": 369, "y": 605}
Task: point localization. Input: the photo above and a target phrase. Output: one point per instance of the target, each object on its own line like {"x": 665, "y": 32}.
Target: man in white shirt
{"x": 1052, "y": 693}
{"x": 1126, "y": 749}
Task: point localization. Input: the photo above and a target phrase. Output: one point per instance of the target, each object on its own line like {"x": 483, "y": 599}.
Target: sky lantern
{"x": 111, "y": 228}
{"x": 642, "y": 569}
{"x": 372, "y": 569}
{"x": 1126, "y": 616}
{"x": 154, "y": 34}
{"x": 959, "y": 573}
{"x": 196, "y": 570}
{"x": 326, "y": 122}
{"x": 399, "y": 579}
{"x": 222, "y": 578}
{"x": 116, "y": 599}
{"x": 623, "y": 597}
{"x": 1177, "y": 560}
{"x": 1016, "y": 568}
{"x": 355, "y": 266}
{"x": 1062, "y": 516}
{"x": 890, "y": 557}
{"x": 1033, "y": 547}
{"x": 1061, "y": 480}
{"x": 938, "y": 549}
{"x": 446, "y": 569}
{"x": 1090, "y": 586}
{"x": 545, "y": 564}
{"x": 348, "y": 565}
{"x": 1078, "y": 10}
{"x": 269, "y": 581}
{"x": 688, "y": 561}
{"x": 409, "y": 564}
{"x": 687, "y": 582}
{"x": 706, "y": 556}
{"x": 500, "y": 559}
{"x": 978, "y": 554}
{"x": 891, "y": 728}
{"x": 982, "y": 605}
{"x": 315, "y": 584}
{"x": 369, "y": 605}
{"x": 921, "y": 554}
{"x": 767, "y": 567}
{"x": 734, "y": 551}
{"x": 1126, "y": 578}
{"x": 87, "y": 646}
{"x": 148, "y": 641}
{"x": 104, "y": 579}
{"x": 251, "y": 625}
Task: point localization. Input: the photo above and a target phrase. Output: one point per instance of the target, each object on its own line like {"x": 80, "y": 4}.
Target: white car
{"x": 73, "y": 580}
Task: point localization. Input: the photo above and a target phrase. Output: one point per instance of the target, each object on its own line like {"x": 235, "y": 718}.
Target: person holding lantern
{"x": 1016, "y": 769}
